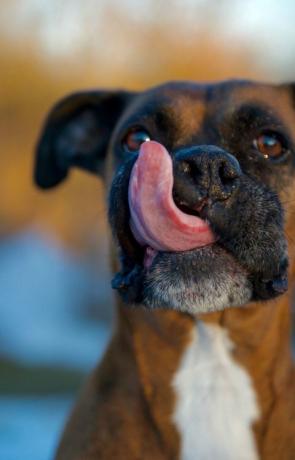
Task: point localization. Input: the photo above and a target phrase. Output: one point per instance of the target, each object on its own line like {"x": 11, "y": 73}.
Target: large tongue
{"x": 155, "y": 219}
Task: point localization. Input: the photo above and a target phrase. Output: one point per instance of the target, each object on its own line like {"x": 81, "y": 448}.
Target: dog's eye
{"x": 270, "y": 144}
{"x": 134, "y": 138}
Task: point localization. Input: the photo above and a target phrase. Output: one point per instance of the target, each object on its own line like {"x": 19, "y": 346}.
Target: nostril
{"x": 191, "y": 168}
{"x": 185, "y": 167}
{"x": 228, "y": 173}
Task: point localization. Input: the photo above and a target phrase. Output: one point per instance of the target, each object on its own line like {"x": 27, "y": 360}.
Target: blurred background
{"x": 56, "y": 301}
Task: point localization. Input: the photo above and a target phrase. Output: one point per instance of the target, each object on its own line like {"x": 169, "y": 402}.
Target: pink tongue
{"x": 155, "y": 219}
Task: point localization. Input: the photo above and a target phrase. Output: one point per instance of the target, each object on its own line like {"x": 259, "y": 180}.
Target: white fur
{"x": 216, "y": 404}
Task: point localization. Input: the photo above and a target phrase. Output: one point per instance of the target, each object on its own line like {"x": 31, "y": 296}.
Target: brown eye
{"x": 134, "y": 138}
{"x": 270, "y": 145}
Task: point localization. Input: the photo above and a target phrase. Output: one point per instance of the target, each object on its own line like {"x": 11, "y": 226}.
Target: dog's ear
{"x": 77, "y": 133}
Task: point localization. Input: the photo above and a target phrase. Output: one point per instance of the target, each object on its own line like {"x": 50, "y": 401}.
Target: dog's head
{"x": 213, "y": 235}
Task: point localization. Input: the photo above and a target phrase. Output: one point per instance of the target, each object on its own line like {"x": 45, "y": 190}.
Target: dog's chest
{"x": 215, "y": 401}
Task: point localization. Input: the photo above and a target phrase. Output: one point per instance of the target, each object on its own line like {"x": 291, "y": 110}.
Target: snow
{"x": 43, "y": 291}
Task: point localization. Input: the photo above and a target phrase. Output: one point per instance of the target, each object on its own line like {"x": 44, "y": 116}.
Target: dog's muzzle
{"x": 166, "y": 196}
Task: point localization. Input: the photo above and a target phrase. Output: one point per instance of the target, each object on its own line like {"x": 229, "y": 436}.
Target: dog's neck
{"x": 158, "y": 339}
{"x": 262, "y": 345}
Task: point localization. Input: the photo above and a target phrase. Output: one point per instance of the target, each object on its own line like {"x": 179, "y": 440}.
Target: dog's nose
{"x": 204, "y": 172}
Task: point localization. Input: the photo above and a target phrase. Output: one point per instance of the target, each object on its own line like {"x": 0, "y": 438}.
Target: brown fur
{"x": 125, "y": 410}
{"x": 132, "y": 386}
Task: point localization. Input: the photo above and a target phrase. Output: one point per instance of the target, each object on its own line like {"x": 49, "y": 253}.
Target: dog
{"x": 200, "y": 179}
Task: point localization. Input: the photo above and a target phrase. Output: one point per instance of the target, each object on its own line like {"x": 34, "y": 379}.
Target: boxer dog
{"x": 200, "y": 179}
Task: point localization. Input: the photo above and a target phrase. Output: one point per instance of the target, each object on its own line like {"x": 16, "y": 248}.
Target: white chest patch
{"x": 215, "y": 400}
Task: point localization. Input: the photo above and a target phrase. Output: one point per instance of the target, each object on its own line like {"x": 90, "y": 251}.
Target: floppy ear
{"x": 77, "y": 133}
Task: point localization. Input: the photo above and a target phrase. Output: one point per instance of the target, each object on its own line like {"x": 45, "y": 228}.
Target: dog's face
{"x": 233, "y": 158}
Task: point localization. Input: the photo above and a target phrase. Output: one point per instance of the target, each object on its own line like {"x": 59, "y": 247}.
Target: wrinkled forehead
{"x": 182, "y": 110}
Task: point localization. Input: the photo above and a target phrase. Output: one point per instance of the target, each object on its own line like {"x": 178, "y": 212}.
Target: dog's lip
{"x": 149, "y": 256}
{"x": 156, "y": 220}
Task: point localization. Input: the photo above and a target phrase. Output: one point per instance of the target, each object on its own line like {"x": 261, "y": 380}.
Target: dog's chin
{"x": 198, "y": 281}
{"x": 203, "y": 280}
